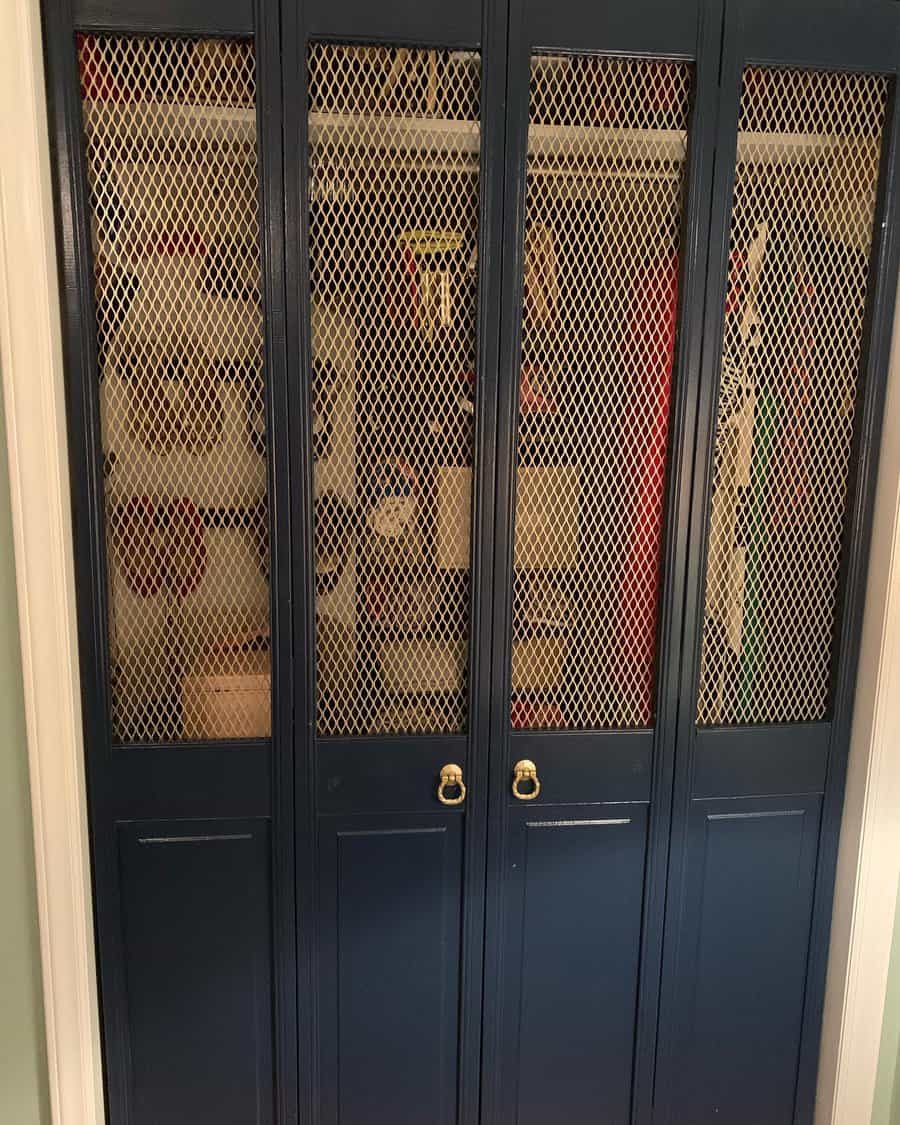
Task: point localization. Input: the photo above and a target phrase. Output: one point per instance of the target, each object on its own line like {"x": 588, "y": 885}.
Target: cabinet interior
{"x": 394, "y": 189}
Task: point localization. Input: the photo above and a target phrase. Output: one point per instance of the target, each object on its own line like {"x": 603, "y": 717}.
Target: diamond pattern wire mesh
{"x": 394, "y": 162}
{"x": 170, "y": 137}
{"x": 801, "y": 232}
{"x": 606, "y": 149}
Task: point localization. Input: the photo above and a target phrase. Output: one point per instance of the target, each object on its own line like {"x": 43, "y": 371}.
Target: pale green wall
{"x": 886, "y": 1108}
{"x": 23, "y": 1079}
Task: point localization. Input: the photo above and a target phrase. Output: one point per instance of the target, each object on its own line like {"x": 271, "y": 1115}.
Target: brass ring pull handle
{"x": 451, "y": 778}
{"x": 525, "y": 770}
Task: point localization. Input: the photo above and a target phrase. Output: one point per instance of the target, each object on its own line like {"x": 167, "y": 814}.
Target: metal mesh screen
{"x": 170, "y": 130}
{"x": 394, "y": 161}
{"x": 606, "y": 149}
{"x": 801, "y": 229}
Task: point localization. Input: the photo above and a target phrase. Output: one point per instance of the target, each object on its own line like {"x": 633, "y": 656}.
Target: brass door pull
{"x": 451, "y": 778}
{"x": 525, "y": 770}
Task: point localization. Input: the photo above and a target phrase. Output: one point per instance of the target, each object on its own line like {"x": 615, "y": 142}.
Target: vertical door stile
{"x": 299, "y": 430}
{"x": 270, "y": 127}
{"x": 676, "y": 536}
{"x": 712, "y": 312}
{"x": 515, "y": 127}
{"x": 491, "y": 257}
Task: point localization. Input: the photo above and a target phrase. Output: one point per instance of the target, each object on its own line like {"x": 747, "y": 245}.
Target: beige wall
{"x": 23, "y": 1078}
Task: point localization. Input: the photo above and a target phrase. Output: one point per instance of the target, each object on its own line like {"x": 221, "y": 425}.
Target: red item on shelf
{"x": 137, "y": 546}
{"x": 185, "y": 547}
{"x": 666, "y": 78}
{"x": 527, "y": 715}
{"x": 179, "y": 242}
{"x": 160, "y": 548}
{"x": 98, "y": 84}
{"x": 650, "y": 353}
{"x": 532, "y": 400}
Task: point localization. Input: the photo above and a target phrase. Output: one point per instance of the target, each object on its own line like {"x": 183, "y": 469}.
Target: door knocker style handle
{"x": 451, "y": 778}
{"x": 525, "y": 770}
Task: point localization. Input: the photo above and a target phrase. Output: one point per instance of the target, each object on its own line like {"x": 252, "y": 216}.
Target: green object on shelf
{"x": 764, "y": 428}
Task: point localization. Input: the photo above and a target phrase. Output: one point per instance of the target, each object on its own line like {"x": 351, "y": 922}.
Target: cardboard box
{"x": 418, "y": 666}
{"x": 537, "y": 663}
{"x": 547, "y": 503}
{"x": 454, "y": 517}
{"x": 237, "y": 705}
{"x": 547, "y": 500}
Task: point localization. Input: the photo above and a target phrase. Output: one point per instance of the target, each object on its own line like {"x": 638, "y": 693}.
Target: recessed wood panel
{"x": 575, "y": 888}
{"x": 743, "y": 957}
{"x": 197, "y": 972}
{"x": 390, "y": 922}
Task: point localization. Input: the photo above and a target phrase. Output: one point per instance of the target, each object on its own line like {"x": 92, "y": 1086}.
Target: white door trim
{"x": 869, "y": 858}
{"x": 32, "y": 369}
{"x": 31, "y": 361}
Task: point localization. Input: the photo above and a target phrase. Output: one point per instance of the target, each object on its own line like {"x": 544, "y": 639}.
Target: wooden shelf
{"x": 432, "y": 137}
{"x": 435, "y": 139}
{"x": 426, "y": 135}
{"x": 159, "y": 121}
{"x": 603, "y": 142}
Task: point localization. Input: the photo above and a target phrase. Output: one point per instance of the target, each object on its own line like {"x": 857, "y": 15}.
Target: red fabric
{"x": 185, "y": 547}
{"x": 649, "y": 352}
{"x": 136, "y": 543}
{"x": 184, "y": 241}
{"x": 98, "y": 84}
{"x": 650, "y": 355}
{"x": 525, "y": 715}
{"x": 160, "y": 547}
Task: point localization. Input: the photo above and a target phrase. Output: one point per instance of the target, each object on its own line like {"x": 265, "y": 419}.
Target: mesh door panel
{"x": 606, "y": 149}
{"x": 801, "y": 230}
{"x": 170, "y": 133}
{"x": 394, "y": 160}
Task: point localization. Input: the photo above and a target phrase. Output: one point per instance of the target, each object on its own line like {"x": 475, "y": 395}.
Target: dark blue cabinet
{"x": 778, "y": 528}
{"x": 473, "y": 421}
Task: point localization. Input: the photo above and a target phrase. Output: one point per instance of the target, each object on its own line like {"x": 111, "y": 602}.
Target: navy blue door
{"x": 792, "y": 376}
{"x": 393, "y": 192}
{"x": 168, "y": 134}
{"x": 608, "y": 167}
